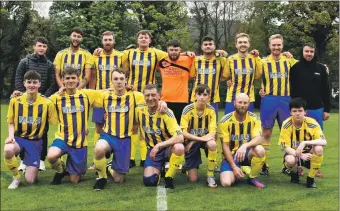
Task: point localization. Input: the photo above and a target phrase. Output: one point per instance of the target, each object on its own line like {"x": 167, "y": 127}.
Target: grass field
{"x": 280, "y": 194}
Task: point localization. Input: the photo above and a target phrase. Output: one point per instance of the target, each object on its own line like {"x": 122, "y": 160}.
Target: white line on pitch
{"x": 161, "y": 198}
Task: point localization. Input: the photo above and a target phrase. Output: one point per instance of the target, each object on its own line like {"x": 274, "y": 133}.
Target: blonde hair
{"x": 242, "y": 35}
{"x": 276, "y": 36}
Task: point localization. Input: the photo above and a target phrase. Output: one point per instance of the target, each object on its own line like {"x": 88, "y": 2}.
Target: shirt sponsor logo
{"x": 206, "y": 71}
{"x": 141, "y": 63}
{"x": 118, "y": 109}
{"x": 244, "y": 71}
{"x": 151, "y": 130}
{"x": 29, "y": 120}
{"x": 240, "y": 138}
{"x": 73, "y": 109}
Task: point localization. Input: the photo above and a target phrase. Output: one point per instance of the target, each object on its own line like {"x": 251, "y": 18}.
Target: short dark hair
{"x": 309, "y": 44}
{"x": 42, "y": 40}
{"x": 201, "y": 88}
{"x": 207, "y": 38}
{"x": 69, "y": 71}
{"x": 77, "y": 30}
{"x": 151, "y": 86}
{"x": 119, "y": 70}
{"x": 297, "y": 103}
{"x": 174, "y": 43}
{"x": 32, "y": 75}
{"x": 144, "y": 32}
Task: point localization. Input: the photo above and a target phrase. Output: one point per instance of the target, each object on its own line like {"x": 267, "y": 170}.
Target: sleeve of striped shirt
{"x": 193, "y": 70}
{"x": 140, "y": 101}
{"x": 160, "y": 54}
{"x": 52, "y": 113}
{"x": 285, "y": 137}
{"x": 125, "y": 60}
{"x": 317, "y": 132}
{"x": 292, "y": 61}
{"x": 89, "y": 63}
{"x": 226, "y": 69}
{"x": 185, "y": 122}
{"x": 98, "y": 100}
{"x": 257, "y": 129}
{"x": 57, "y": 61}
{"x": 172, "y": 125}
{"x": 224, "y": 132}
{"x": 258, "y": 67}
{"x": 212, "y": 122}
{"x": 10, "y": 114}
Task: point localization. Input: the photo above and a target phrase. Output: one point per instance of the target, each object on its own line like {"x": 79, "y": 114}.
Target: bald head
{"x": 242, "y": 96}
{"x": 241, "y": 103}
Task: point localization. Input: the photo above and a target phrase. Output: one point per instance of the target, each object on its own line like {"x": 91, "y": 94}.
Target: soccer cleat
{"x": 211, "y": 182}
{"x": 169, "y": 182}
{"x": 319, "y": 175}
{"x": 310, "y": 183}
{"x": 256, "y": 182}
{"x": 15, "y": 183}
{"x": 294, "y": 177}
{"x": 22, "y": 166}
{"x": 264, "y": 170}
{"x": 101, "y": 182}
{"x": 42, "y": 166}
{"x": 246, "y": 169}
{"x": 92, "y": 167}
{"x": 141, "y": 163}
{"x": 285, "y": 170}
{"x": 58, "y": 177}
{"x": 132, "y": 163}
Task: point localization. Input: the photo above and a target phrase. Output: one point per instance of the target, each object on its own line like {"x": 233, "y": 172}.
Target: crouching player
{"x": 27, "y": 118}
{"x": 303, "y": 140}
{"x": 198, "y": 123}
{"x": 241, "y": 137}
{"x": 164, "y": 139}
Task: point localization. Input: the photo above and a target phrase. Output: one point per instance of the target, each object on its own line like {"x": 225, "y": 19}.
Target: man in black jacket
{"x": 309, "y": 80}
{"x": 38, "y": 62}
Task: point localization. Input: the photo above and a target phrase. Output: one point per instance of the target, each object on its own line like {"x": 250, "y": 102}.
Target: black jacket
{"x": 309, "y": 80}
{"x": 43, "y": 66}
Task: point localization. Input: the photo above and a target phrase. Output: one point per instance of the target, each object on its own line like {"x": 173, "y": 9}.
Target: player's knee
{"x": 151, "y": 180}
{"x": 192, "y": 177}
{"x": 99, "y": 150}
{"x": 290, "y": 161}
{"x": 9, "y": 151}
{"x": 266, "y": 134}
{"x": 212, "y": 145}
{"x": 260, "y": 151}
{"x": 318, "y": 150}
{"x": 30, "y": 180}
{"x": 51, "y": 157}
{"x": 179, "y": 149}
{"x": 226, "y": 183}
{"x": 118, "y": 178}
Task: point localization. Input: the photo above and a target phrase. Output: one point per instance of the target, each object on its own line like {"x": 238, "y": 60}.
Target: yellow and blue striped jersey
{"x": 105, "y": 64}
{"x": 30, "y": 119}
{"x": 208, "y": 71}
{"x": 142, "y": 66}
{"x": 242, "y": 71}
{"x": 73, "y": 112}
{"x": 120, "y": 111}
{"x": 275, "y": 75}
{"x": 237, "y": 133}
{"x": 290, "y": 136}
{"x": 157, "y": 127}
{"x": 197, "y": 125}
{"x": 80, "y": 60}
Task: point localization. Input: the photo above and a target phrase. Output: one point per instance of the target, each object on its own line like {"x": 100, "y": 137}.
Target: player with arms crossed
{"x": 241, "y": 137}
{"x": 27, "y": 118}
{"x": 302, "y": 140}
{"x": 198, "y": 123}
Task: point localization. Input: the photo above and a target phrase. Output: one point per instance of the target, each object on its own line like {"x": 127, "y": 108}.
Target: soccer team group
{"x": 171, "y": 127}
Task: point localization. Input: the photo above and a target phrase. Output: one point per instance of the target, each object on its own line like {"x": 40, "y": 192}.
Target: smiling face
{"x": 108, "y": 42}
{"x": 241, "y": 103}
{"x": 152, "y": 97}
{"x": 308, "y": 53}
{"x": 70, "y": 81}
{"x": 75, "y": 39}
{"x": 32, "y": 85}
{"x": 242, "y": 44}
{"x": 276, "y": 46}
{"x": 143, "y": 40}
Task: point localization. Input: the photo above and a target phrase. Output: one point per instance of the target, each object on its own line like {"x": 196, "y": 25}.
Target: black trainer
{"x": 132, "y": 163}
{"x": 294, "y": 177}
{"x": 285, "y": 170}
{"x": 264, "y": 170}
{"x": 169, "y": 182}
{"x": 58, "y": 177}
{"x": 101, "y": 182}
{"x": 310, "y": 183}
{"x": 141, "y": 164}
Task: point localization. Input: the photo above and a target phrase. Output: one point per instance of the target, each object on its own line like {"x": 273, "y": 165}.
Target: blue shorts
{"x": 76, "y": 163}
{"x": 215, "y": 105}
{"x": 162, "y": 156}
{"x": 226, "y": 167}
{"x": 121, "y": 149}
{"x": 98, "y": 115}
{"x": 193, "y": 157}
{"x": 274, "y": 107}
{"x": 229, "y": 107}
{"x": 32, "y": 150}
{"x": 316, "y": 114}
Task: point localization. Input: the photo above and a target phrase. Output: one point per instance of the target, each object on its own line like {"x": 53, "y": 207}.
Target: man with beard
{"x": 309, "y": 80}
{"x": 275, "y": 91}
{"x": 241, "y": 137}
{"x": 105, "y": 63}
{"x": 175, "y": 71}
{"x": 38, "y": 62}
{"x": 74, "y": 57}
{"x": 243, "y": 68}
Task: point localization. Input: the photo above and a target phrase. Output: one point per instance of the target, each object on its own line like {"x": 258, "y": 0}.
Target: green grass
{"x": 280, "y": 194}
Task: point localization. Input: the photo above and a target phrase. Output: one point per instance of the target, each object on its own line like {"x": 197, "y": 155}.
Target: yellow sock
{"x": 212, "y": 160}
{"x": 315, "y": 164}
{"x": 143, "y": 149}
{"x": 134, "y": 141}
{"x": 267, "y": 152}
{"x": 175, "y": 162}
{"x": 111, "y": 171}
{"x": 256, "y": 165}
{"x": 12, "y": 165}
{"x": 95, "y": 138}
{"x": 57, "y": 166}
{"x": 101, "y": 167}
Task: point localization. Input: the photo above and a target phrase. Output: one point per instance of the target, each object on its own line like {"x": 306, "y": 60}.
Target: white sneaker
{"x": 211, "y": 182}
{"x": 15, "y": 183}
{"x": 22, "y": 166}
{"x": 42, "y": 166}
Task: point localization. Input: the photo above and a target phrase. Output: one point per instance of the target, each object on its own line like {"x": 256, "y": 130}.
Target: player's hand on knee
{"x": 10, "y": 140}
{"x": 241, "y": 153}
{"x": 154, "y": 151}
{"x": 262, "y": 93}
{"x": 238, "y": 173}
{"x": 16, "y": 93}
{"x": 189, "y": 145}
{"x": 97, "y": 51}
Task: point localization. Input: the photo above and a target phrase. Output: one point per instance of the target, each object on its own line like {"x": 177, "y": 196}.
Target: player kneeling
{"x": 164, "y": 139}
{"x": 198, "y": 123}
{"x": 241, "y": 136}
{"x": 303, "y": 140}
{"x": 27, "y": 118}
